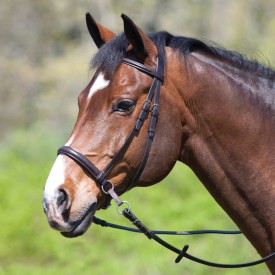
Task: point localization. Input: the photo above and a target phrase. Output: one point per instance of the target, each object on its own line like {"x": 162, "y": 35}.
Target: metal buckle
{"x": 105, "y": 185}
{"x": 123, "y": 202}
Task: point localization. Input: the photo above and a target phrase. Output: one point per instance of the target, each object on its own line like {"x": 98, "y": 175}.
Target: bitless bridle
{"x": 101, "y": 177}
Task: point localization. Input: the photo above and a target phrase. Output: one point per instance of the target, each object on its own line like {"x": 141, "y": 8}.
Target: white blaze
{"x": 57, "y": 175}
{"x": 55, "y": 178}
{"x": 69, "y": 142}
{"x": 99, "y": 84}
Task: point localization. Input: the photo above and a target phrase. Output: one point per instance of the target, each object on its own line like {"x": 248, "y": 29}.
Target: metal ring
{"x": 103, "y": 186}
{"x": 128, "y": 204}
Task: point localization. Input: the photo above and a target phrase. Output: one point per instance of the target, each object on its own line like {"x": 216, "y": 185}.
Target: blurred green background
{"x": 45, "y": 53}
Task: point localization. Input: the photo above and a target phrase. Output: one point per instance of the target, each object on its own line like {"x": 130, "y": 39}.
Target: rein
{"x": 182, "y": 253}
{"x": 107, "y": 186}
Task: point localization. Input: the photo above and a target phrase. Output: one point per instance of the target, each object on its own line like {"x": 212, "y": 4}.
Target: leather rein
{"x": 101, "y": 177}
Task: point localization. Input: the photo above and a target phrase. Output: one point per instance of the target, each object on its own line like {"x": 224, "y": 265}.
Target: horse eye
{"x": 124, "y": 105}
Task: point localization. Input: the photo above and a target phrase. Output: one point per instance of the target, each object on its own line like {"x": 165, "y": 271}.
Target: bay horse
{"x": 214, "y": 110}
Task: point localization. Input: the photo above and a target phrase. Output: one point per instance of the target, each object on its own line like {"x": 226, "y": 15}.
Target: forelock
{"x": 110, "y": 54}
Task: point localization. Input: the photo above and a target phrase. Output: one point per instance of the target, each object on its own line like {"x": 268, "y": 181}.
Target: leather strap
{"x": 143, "y": 68}
{"x": 101, "y": 176}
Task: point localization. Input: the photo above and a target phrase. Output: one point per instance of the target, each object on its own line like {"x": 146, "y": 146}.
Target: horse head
{"x": 110, "y": 107}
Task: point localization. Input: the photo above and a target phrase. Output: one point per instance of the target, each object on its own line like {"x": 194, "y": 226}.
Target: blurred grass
{"x": 180, "y": 202}
{"x": 45, "y": 44}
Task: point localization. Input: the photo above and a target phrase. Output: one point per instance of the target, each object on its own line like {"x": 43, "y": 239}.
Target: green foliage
{"x": 46, "y": 49}
{"x": 180, "y": 202}
{"x": 45, "y": 53}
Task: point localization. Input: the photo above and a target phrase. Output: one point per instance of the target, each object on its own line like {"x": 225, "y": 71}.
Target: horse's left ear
{"x": 99, "y": 33}
{"x": 140, "y": 42}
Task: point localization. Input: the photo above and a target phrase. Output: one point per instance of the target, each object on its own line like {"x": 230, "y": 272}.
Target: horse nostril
{"x": 62, "y": 201}
{"x": 61, "y": 198}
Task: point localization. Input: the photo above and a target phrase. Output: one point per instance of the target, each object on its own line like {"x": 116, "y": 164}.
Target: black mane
{"x": 110, "y": 54}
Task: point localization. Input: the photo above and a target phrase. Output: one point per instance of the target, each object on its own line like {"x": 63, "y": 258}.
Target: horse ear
{"x": 99, "y": 33}
{"x": 142, "y": 45}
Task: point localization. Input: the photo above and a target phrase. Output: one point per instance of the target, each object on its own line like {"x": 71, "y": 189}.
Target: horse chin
{"x": 83, "y": 224}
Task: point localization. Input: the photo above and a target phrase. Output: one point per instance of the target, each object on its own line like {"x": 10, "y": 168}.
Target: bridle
{"x": 151, "y": 105}
{"x": 100, "y": 177}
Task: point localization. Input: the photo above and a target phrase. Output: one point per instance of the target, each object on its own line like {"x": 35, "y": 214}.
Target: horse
{"x": 156, "y": 99}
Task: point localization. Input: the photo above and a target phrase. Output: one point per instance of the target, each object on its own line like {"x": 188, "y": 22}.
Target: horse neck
{"x": 230, "y": 144}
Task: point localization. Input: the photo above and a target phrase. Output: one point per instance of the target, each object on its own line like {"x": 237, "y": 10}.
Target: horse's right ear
{"x": 99, "y": 33}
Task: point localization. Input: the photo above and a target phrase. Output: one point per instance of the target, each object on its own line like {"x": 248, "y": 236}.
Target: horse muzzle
{"x": 70, "y": 223}
{"x": 69, "y": 198}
